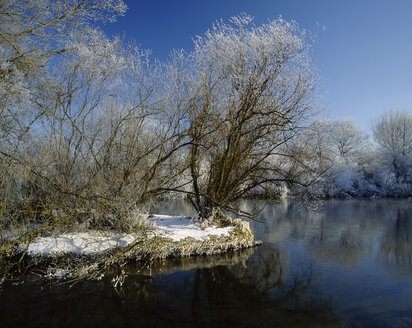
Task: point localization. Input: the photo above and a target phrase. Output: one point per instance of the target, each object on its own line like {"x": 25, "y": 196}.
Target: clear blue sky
{"x": 364, "y": 56}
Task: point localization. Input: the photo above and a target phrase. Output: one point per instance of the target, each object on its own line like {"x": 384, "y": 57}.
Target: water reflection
{"x": 396, "y": 243}
{"x": 323, "y": 264}
{"x": 254, "y": 292}
{"x": 343, "y": 232}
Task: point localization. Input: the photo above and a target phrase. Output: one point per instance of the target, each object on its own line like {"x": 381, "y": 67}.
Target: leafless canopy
{"x": 247, "y": 91}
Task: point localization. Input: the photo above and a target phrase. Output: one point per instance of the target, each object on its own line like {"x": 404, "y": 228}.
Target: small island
{"x": 157, "y": 237}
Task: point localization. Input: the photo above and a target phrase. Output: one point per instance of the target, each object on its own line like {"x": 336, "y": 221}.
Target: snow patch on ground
{"x": 91, "y": 242}
{"x": 81, "y": 243}
{"x": 179, "y": 228}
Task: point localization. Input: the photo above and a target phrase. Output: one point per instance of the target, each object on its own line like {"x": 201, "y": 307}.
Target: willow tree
{"x": 248, "y": 91}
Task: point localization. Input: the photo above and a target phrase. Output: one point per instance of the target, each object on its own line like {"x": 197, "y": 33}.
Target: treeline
{"x": 362, "y": 165}
{"x": 379, "y": 165}
{"x": 93, "y": 130}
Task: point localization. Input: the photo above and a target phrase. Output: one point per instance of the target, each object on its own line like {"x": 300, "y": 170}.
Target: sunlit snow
{"x": 175, "y": 228}
{"x": 178, "y": 228}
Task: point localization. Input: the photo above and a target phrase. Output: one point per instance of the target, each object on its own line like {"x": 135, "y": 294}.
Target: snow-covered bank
{"x": 89, "y": 253}
{"x": 170, "y": 229}
{"x": 179, "y": 228}
{"x": 84, "y": 243}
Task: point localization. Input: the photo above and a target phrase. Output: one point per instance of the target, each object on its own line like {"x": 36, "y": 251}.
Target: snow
{"x": 178, "y": 228}
{"x": 93, "y": 241}
{"x": 80, "y": 242}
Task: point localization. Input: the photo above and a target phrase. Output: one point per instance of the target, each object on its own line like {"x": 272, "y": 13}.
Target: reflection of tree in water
{"x": 350, "y": 230}
{"x": 170, "y": 265}
{"x": 345, "y": 246}
{"x": 253, "y": 293}
{"x": 333, "y": 231}
{"x": 264, "y": 272}
{"x": 329, "y": 231}
{"x": 396, "y": 243}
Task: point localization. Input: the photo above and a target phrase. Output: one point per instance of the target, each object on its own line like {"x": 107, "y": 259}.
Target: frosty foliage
{"x": 34, "y": 36}
{"x": 362, "y": 169}
{"x": 392, "y": 132}
{"x": 272, "y": 58}
{"x": 347, "y": 139}
{"x": 32, "y": 32}
{"x": 243, "y": 94}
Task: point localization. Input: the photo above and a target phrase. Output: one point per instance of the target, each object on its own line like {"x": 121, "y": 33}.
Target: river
{"x": 335, "y": 263}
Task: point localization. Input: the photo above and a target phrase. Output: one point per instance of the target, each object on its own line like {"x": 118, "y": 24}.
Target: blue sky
{"x": 364, "y": 55}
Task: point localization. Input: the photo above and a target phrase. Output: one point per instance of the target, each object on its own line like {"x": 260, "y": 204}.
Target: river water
{"x": 323, "y": 264}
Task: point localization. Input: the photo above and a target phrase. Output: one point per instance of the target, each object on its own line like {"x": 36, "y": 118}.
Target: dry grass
{"x": 149, "y": 249}
{"x": 146, "y": 248}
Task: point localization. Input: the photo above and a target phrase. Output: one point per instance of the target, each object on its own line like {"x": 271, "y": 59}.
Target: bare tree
{"x": 32, "y": 32}
{"x": 347, "y": 139}
{"x": 392, "y": 132}
{"x": 34, "y": 35}
{"x": 310, "y": 158}
{"x": 247, "y": 92}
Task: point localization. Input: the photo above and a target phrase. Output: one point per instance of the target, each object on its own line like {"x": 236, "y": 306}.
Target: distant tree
{"x": 347, "y": 138}
{"x": 392, "y": 132}
{"x": 311, "y": 157}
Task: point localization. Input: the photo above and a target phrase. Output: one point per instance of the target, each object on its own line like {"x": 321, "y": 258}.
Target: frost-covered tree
{"x": 347, "y": 139}
{"x": 311, "y": 158}
{"x": 392, "y": 132}
{"x": 383, "y": 171}
{"x": 59, "y": 77}
{"x": 33, "y": 33}
{"x": 247, "y": 91}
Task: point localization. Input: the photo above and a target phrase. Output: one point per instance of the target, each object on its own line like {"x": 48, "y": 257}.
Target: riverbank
{"x": 87, "y": 253}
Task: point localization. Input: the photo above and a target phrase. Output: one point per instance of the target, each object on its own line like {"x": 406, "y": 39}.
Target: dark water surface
{"x": 323, "y": 264}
